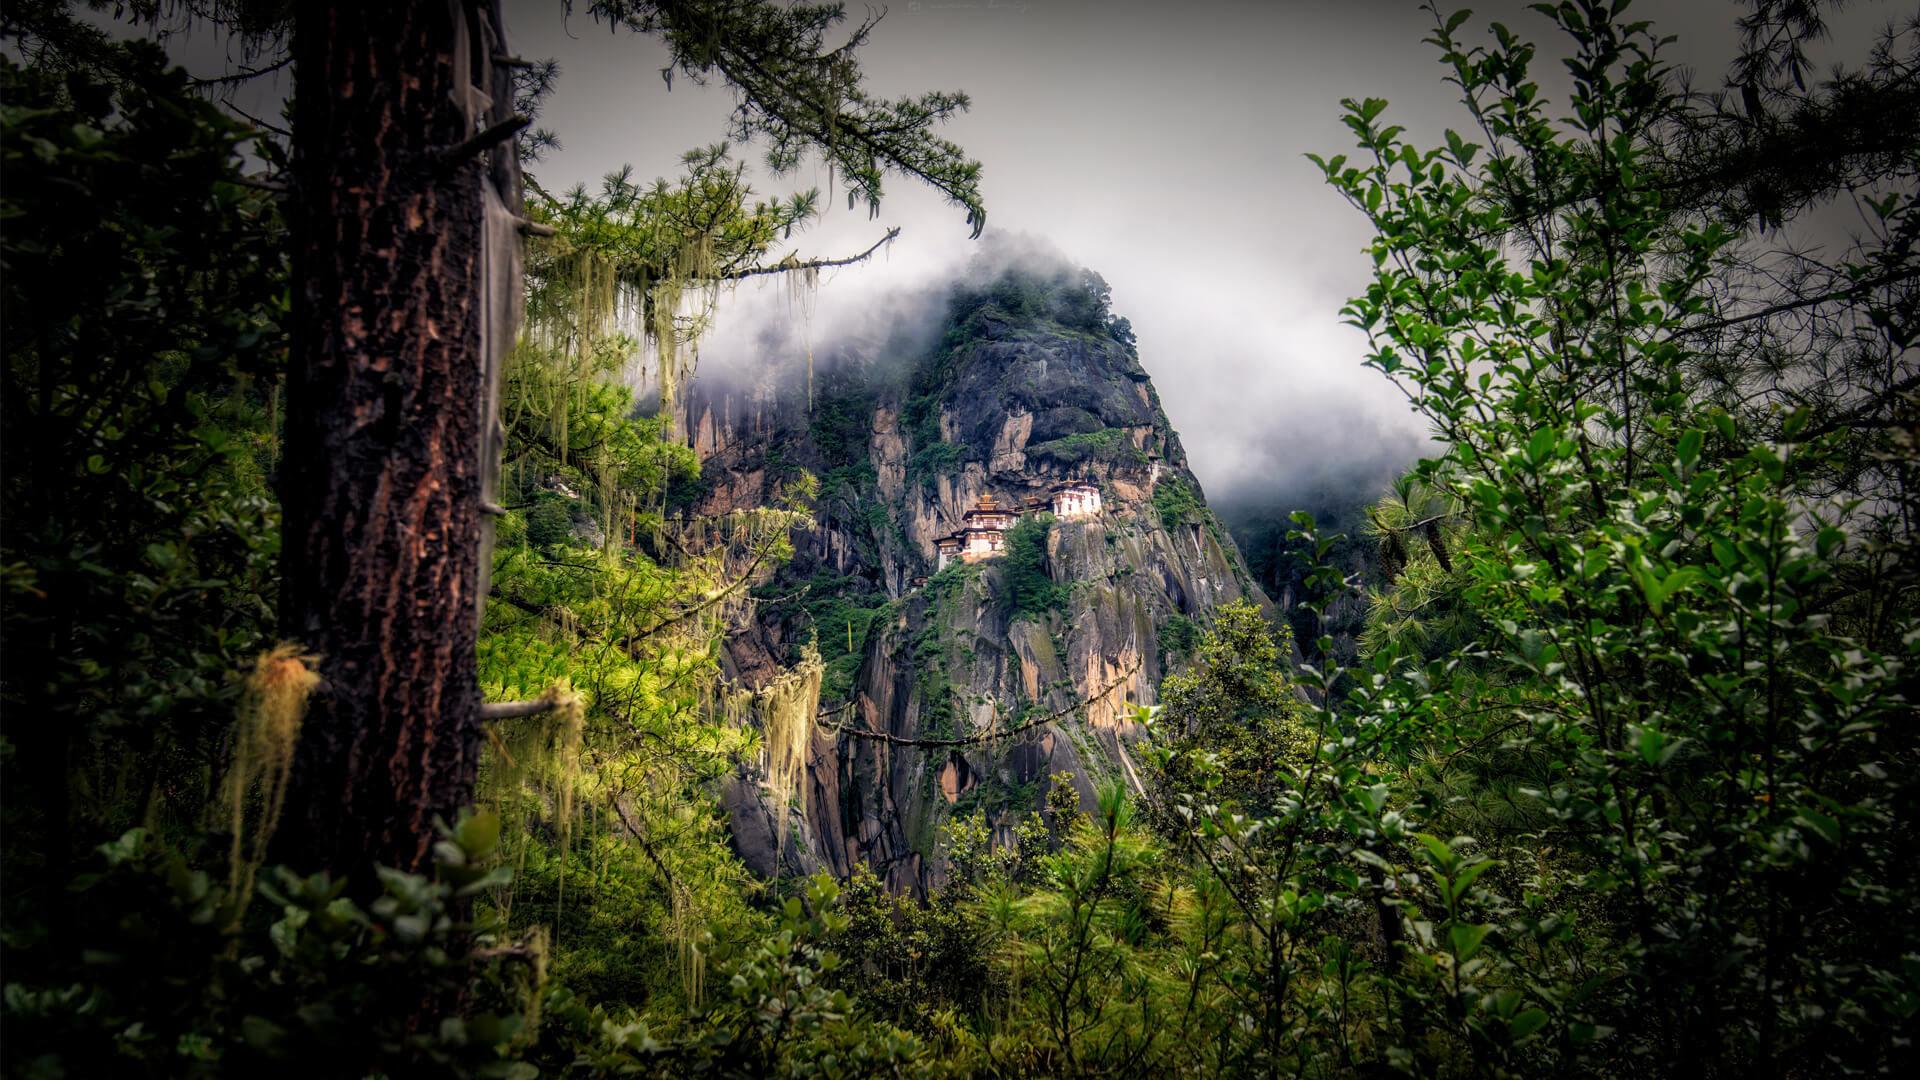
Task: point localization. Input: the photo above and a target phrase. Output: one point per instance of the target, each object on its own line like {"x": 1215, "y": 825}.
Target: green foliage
{"x": 143, "y": 286}
{"x": 1176, "y": 502}
{"x": 1623, "y": 786}
{"x": 644, "y": 234}
{"x": 1420, "y": 607}
{"x": 833, "y": 613}
{"x": 1105, "y": 445}
{"x": 1031, "y": 590}
{"x": 935, "y": 459}
{"x": 776, "y": 1014}
{"x": 613, "y": 820}
{"x": 841, "y": 426}
{"x": 921, "y": 417}
{"x": 850, "y": 493}
{"x": 917, "y": 966}
{"x": 1617, "y": 790}
{"x": 173, "y": 983}
{"x": 1712, "y": 849}
{"x": 842, "y": 630}
{"x": 684, "y": 493}
{"x": 852, "y": 482}
{"x": 933, "y": 456}
{"x": 1178, "y": 636}
{"x": 1107, "y": 967}
{"x": 550, "y": 522}
{"x": 939, "y": 718}
{"x": 1237, "y": 707}
{"x": 568, "y": 418}
{"x": 798, "y": 93}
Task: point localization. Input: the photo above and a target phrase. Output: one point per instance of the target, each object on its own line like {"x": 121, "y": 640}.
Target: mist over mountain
{"x": 1262, "y": 453}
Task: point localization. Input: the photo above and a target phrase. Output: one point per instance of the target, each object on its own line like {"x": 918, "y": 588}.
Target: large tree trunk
{"x": 387, "y": 426}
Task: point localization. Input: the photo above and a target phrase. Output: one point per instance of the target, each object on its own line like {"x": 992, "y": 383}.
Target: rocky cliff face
{"x": 1032, "y": 385}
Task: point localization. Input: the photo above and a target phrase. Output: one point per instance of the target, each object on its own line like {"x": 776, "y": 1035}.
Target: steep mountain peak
{"x": 1006, "y": 528}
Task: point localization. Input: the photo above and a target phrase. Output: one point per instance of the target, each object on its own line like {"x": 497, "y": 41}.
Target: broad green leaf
{"x": 1652, "y": 746}
{"x": 1526, "y": 1024}
{"x": 1828, "y": 828}
{"x": 1466, "y": 938}
{"x": 1541, "y": 446}
{"x": 1688, "y": 451}
{"x": 1468, "y": 874}
{"x": 479, "y": 834}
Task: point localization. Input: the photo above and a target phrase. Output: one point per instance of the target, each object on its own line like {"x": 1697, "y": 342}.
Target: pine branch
{"x": 801, "y": 94}
{"x": 1852, "y": 292}
{"x": 813, "y": 264}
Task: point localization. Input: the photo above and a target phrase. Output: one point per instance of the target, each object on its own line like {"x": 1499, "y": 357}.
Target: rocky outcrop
{"x": 1006, "y": 406}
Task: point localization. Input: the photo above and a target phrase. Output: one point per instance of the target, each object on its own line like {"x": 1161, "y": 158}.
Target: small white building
{"x": 982, "y": 543}
{"x": 949, "y": 549}
{"x": 1076, "y": 499}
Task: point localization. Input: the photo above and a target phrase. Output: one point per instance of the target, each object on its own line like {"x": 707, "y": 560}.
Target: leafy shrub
{"x": 176, "y": 979}
{"x": 1175, "y": 502}
{"x": 935, "y": 460}
{"x": 776, "y": 1012}
{"x": 1107, "y": 444}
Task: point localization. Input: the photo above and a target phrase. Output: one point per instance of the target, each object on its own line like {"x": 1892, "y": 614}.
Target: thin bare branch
{"x": 789, "y": 265}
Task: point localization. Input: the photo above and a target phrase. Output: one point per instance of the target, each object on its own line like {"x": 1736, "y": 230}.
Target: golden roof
{"x": 986, "y": 506}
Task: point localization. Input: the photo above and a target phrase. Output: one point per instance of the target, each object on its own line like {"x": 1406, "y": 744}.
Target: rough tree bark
{"x": 387, "y": 421}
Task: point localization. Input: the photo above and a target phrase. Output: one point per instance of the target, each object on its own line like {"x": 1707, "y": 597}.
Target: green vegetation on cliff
{"x": 1031, "y": 591}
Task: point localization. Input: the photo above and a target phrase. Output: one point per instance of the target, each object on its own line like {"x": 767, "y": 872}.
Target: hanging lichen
{"x": 647, "y": 263}
{"x": 544, "y": 751}
{"x": 273, "y": 704}
{"x": 789, "y": 706}
{"x": 538, "y": 947}
{"x": 568, "y": 725}
{"x": 687, "y": 935}
{"x": 803, "y": 290}
{"x": 786, "y": 708}
{"x": 623, "y": 284}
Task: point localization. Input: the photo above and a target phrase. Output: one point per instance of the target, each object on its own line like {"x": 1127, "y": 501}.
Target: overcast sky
{"x": 1160, "y": 143}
